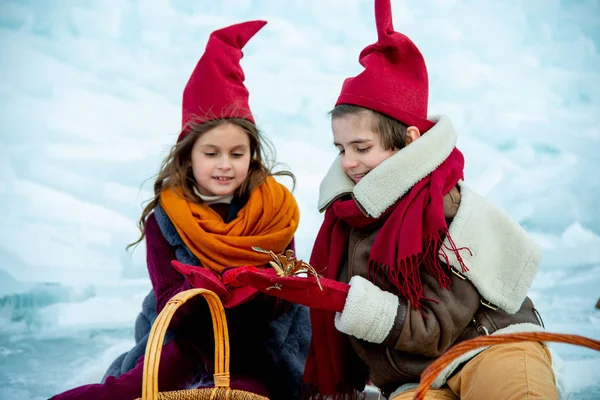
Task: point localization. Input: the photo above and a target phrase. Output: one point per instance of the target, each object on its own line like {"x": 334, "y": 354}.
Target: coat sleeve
{"x": 431, "y": 331}
{"x": 166, "y": 280}
{"x": 416, "y": 337}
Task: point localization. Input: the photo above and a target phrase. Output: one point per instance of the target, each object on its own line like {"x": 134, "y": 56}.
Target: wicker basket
{"x": 222, "y": 390}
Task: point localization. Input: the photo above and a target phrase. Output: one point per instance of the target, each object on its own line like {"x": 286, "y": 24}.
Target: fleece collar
{"x": 381, "y": 187}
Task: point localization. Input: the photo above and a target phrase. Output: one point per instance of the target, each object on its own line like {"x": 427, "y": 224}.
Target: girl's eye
{"x": 363, "y": 150}
{"x": 238, "y": 155}
{"x": 341, "y": 151}
{"x": 210, "y": 154}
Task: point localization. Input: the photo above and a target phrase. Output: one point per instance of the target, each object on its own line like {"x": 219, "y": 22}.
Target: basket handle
{"x": 157, "y": 335}
{"x": 431, "y": 372}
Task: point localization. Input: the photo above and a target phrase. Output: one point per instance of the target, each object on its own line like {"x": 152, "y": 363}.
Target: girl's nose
{"x": 224, "y": 163}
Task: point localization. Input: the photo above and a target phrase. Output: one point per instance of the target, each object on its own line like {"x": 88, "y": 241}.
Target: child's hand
{"x": 297, "y": 289}
{"x": 202, "y": 278}
{"x": 369, "y": 312}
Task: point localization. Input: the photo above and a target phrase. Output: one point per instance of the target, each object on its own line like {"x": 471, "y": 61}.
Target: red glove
{"x": 296, "y": 289}
{"x": 230, "y": 293}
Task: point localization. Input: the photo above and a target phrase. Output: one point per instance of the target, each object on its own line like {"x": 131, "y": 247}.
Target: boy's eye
{"x": 341, "y": 151}
{"x": 363, "y": 150}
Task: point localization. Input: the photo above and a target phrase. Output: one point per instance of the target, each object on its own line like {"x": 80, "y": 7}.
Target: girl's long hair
{"x": 175, "y": 169}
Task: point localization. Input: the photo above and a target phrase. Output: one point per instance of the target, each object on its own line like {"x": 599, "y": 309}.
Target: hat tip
{"x": 383, "y": 18}
{"x": 257, "y": 23}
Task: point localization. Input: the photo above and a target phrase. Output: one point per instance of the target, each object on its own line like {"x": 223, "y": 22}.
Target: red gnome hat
{"x": 394, "y": 81}
{"x": 216, "y": 87}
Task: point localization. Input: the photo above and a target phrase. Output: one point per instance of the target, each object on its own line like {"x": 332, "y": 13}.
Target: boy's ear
{"x": 412, "y": 134}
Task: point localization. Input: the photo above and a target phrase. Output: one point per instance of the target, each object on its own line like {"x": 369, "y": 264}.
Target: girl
{"x": 430, "y": 263}
{"x": 215, "y": 198}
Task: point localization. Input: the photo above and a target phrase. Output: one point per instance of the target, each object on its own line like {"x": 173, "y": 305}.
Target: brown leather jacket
{"x": 415, "y": 342}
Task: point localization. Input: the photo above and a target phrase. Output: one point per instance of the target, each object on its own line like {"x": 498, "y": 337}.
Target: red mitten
{"x": 230, "y": 294}
{"x": 297, "y": 289}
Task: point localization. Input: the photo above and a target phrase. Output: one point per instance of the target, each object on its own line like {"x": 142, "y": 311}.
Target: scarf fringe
{"x": 405, "y": 277}
{"x": 455, "y": 250}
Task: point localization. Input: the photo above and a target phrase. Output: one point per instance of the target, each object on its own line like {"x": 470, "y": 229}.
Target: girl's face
{"x": 359, "y": 146}
{"x": 221, "y": 159}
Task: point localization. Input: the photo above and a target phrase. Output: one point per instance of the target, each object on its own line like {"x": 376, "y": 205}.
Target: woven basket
{"x": 222, "y": 390}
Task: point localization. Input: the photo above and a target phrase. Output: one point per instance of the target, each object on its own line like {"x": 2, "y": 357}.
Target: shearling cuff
{"x": 369, "y": 312}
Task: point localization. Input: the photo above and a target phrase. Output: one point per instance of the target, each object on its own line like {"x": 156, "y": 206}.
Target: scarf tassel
{"x": 456, "y": 251}
{"x": 406, "y": 277}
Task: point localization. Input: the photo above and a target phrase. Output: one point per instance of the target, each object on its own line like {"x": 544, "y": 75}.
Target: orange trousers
{"x": 510, "y": 371}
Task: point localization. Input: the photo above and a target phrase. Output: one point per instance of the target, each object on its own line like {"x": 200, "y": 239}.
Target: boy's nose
{"x": 348, "y": 163}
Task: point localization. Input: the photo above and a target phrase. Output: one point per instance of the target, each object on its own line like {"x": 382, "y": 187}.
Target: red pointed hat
{"x": 216, "y": 87}
{"x": 394, "y": 81}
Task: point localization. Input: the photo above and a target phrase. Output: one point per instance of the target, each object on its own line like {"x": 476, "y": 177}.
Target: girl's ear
{"x": 412, "y": 134}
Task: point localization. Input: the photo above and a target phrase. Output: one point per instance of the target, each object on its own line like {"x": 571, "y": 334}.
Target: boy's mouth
{"x": 358, "y": 177}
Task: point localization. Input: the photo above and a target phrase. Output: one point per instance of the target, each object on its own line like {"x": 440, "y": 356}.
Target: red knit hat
{"x": 216, "y": 87}
{"x": 394, "y": 81}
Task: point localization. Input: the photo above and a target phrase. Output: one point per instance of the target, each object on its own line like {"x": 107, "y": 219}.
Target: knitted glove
{"x": 369, "y": 312}
{"x": 297, "y": 289}
{"x": 230, "y": 293}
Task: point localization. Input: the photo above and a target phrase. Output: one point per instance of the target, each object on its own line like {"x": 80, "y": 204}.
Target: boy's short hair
{"x": 392, "y": 131}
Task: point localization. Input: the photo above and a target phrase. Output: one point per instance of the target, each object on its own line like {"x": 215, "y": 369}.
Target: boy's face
{"x": 359, "y": 146}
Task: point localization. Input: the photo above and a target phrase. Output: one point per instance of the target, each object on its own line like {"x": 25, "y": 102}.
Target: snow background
{"x": 90, "y": 103}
